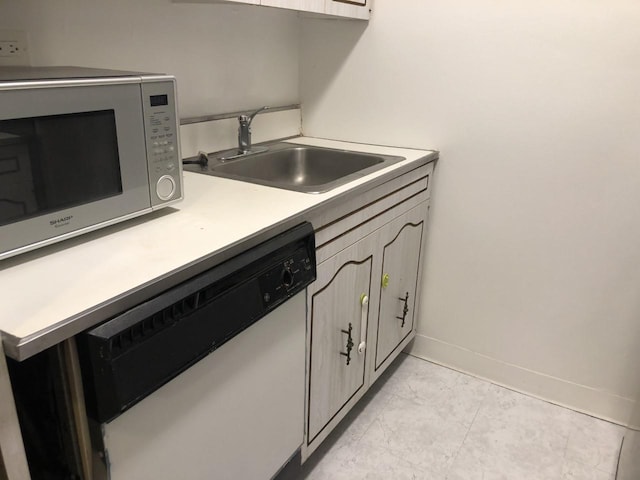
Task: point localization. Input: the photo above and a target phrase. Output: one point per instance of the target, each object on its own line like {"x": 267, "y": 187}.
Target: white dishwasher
{"x": 205, "y": 381}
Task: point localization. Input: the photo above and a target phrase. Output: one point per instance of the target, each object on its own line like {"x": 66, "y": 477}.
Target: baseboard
{"x": 594, "y": 402}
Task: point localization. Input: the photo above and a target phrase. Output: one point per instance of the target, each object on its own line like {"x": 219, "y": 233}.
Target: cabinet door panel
{"x": 335, "y": 302}
{"x": 400, "y": 263}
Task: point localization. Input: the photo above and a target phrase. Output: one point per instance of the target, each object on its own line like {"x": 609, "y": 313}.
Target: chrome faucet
{"x": 244, "y": 131}
{"x": 244, "y": 139}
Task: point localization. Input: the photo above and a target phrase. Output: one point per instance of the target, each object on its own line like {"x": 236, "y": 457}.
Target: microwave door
{"x": 16, "y": 178}
{"x": 57, "y": 162}
{"x": 76, "y": 159}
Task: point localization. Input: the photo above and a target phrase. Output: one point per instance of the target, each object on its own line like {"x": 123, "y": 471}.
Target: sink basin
{"x": 299, "y": 167}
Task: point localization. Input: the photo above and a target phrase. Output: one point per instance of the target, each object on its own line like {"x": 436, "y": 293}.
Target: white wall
{"x": 533, "y": 266}
{"x": 533, "y": 263}
{"x": 226, "y": 57}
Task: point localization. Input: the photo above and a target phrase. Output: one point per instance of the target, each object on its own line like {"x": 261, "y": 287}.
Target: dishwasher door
{"x": 237, "y": 414}
{"x": 206, "y": 380}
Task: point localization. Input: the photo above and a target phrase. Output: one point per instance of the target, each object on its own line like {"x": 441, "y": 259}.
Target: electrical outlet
{"x": 13, "y": 48}
{"x": 10, "y": 49}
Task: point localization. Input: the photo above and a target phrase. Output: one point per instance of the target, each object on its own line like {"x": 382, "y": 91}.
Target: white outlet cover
{"x": 20, "y": 38}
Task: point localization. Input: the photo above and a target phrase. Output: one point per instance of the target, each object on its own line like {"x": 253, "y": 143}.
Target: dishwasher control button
{"x": 287, "y": 277}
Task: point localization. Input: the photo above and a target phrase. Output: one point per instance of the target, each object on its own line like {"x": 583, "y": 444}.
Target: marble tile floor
{"x": 424, "y": 421}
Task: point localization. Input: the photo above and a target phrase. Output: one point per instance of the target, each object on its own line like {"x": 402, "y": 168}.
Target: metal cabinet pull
{"x": 385, "y": 280}
{"x": 350, "y": 343}
{"x": 405, "y": 309}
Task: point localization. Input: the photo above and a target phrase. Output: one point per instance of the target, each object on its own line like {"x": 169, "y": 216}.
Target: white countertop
{"x": 57, "y": 286}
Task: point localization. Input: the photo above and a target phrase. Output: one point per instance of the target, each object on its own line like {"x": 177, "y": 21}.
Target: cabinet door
{"x": 398, "y": 284}
{"x": 358, "y": 9}
{"x": 336, "y": 315}
{"x": 315, "y": 6}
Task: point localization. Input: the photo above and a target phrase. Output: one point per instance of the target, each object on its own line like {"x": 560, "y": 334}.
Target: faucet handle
{"x": 247, "y": 119}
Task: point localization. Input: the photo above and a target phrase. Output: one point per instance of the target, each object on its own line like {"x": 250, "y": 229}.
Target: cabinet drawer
{"x": 335, "y": 222}
{"x": 371, "y": 224}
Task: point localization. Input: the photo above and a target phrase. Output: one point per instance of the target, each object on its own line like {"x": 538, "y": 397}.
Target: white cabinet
{"x": 398, "y": 285}
{"x": 359, "y": 9}
{"x": 247, "y": 2}
{"x": 361, "y": 309}
{"x": 313, "y": 6}
{"x": 337, "y": 320}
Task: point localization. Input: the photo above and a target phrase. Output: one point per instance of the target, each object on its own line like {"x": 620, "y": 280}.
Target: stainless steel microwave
{"x": 81, "y": 149}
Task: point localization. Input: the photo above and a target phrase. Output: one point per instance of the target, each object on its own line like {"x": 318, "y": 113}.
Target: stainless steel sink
{"x": 299, "y": 167}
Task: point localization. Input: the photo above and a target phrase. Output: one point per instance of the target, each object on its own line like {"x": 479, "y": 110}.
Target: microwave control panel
{"x": 163, "y": 148}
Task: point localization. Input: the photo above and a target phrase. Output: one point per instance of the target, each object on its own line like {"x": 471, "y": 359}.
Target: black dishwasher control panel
{"x": 293, "y": 272}
{"x": 135, "y": 353}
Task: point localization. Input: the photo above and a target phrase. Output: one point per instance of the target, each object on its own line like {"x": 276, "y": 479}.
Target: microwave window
{"x": 56, "y": 162}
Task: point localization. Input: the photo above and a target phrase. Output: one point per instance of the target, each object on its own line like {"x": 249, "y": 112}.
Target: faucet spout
{"x": 244, "y": 130}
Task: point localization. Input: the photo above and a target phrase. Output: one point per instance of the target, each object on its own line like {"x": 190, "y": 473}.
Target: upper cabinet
{"x": 353, "y": 9}
{"x": 313, "y": 6}
{"x": 359, "y": 9}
